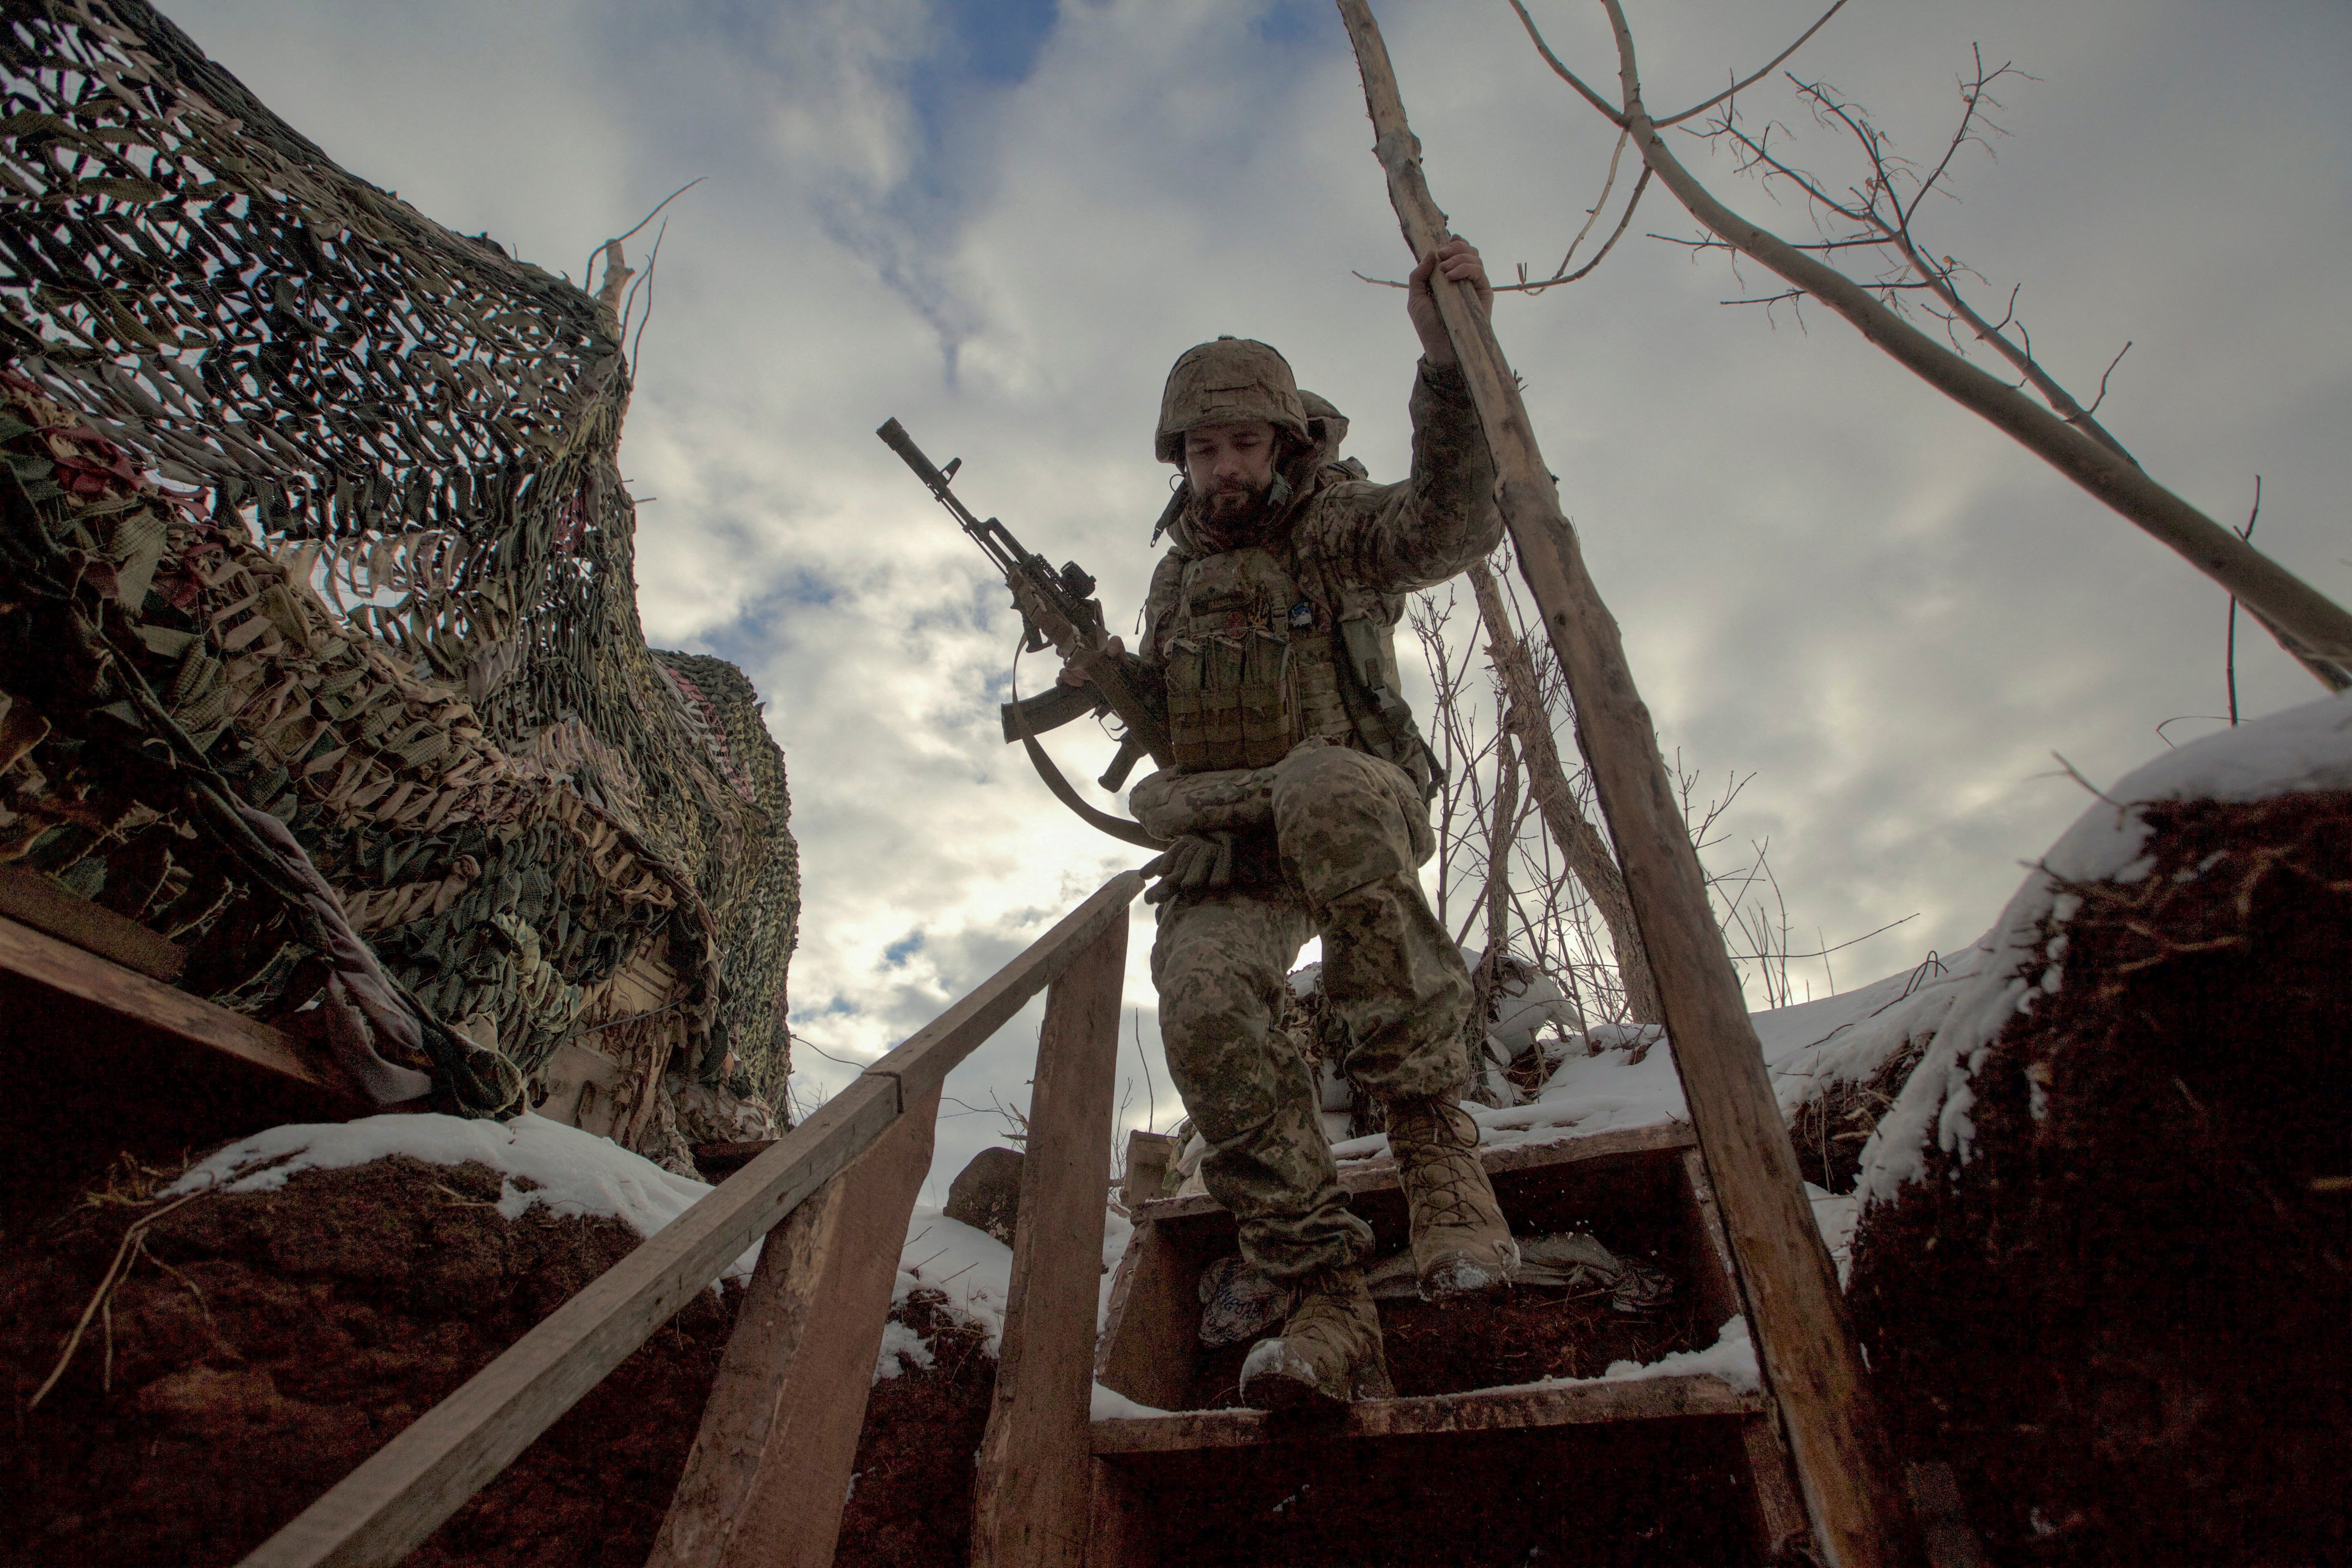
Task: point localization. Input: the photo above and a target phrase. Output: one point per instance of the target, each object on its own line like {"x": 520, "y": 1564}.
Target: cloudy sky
{"x": 1000, "y": 220}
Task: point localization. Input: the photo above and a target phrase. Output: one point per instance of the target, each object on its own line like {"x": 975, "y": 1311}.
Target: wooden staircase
{"x": 1547, "y": 1472}
{"x": 1561, "y": 1472}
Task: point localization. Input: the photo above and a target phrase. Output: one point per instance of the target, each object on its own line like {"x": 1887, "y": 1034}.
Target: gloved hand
{"x": 1196, "y": 862}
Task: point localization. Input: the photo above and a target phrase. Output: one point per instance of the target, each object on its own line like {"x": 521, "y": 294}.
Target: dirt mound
{"x": 1830, "y": 1130}
{"x": 263, "y": 1344}
{"x": 2122, "y": 1318}
{"x": 911, "y": 1502}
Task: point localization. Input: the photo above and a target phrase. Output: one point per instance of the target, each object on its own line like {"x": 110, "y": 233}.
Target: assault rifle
{"x": 1058, "y": 609}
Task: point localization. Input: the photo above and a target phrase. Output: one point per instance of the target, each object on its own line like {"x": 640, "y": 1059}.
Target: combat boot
{"x": 1329, "y": 1352}
{"x": 1461, "y": 1243}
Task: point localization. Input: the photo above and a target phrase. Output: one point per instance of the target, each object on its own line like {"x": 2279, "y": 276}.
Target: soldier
{"x": 1297, "y": 807}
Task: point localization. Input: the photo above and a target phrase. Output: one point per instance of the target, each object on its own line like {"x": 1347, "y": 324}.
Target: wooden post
{"x": 1798, "y": 1316}
{"x": 1031, "y": 1498}
{"x": 769, "y": 1474}
{"x": 1151, "y": 1359}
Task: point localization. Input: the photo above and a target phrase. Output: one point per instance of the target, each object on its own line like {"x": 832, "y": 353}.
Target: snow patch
{"x": 1731, "y": 1358}
{"x": 1833, "y": 1216}
{"x": 1109, "y": 1404}
{"x": 540, "y": 1163}
{"x": 2303, "y": 749}
{"x": 1621, "y": 1074}
{"x": 969, "y": 1267}
{"x": 899, "y": 1340}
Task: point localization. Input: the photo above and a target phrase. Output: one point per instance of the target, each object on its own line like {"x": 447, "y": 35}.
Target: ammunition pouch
{"x": 1229, "y": 701}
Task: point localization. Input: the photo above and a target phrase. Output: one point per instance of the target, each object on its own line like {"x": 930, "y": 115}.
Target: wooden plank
{"x": 149, "y": 1003}
{"x": 1776, "y": 1510}
{"x": 38, "y": 902}
{"x": 1031, "y": 1503}
{"x": 1122, "y": 1534}
{"x": 381, "y": 1511}
{"x": 918, "y": 1064}
{"x": 768, "y": 1473}
{"x": 1379, "y": 1175}
{"x": 1805, "y": 1339}
{"x": 1714, "y": 1276}
{"x": 1483, "y": 1410}
{"x": 1151, "y": 1330}
{"x": 1148, "y": 1154}
{"x": 1776, "y": 1504}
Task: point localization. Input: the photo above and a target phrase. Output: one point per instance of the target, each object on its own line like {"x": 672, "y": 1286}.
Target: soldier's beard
{"x": 1230, "y": 518}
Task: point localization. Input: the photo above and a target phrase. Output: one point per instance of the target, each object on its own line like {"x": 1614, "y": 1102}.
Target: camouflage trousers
{"x": 1352, "y": 830}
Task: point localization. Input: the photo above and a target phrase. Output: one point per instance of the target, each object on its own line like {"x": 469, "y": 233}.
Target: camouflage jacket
{"x": 1354, "y": 550}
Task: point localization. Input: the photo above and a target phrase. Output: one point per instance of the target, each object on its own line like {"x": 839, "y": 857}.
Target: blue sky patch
{"x": 896, "y": 955}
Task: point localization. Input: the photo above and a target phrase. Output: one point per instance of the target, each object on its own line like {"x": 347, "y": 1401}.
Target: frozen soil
{"x": 263, "y": 1344}
{"x": 2122, "y": 1317}
{"x": 910, "y": 1504}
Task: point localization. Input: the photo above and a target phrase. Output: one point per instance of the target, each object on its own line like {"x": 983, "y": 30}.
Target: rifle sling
{"x": 1116, "y": 827}
{"x": 1119, "y": 827}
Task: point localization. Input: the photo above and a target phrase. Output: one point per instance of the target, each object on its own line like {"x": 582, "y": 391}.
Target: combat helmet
{"x": 1231, "y": 378}
{"x": 1326, "y": 425}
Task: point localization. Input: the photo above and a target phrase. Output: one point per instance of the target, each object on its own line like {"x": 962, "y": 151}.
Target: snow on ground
{"x": 540, "y": 1163}
{"x": 971, "y": 1268}
{"x": 2305, "y": 748}
{"x": 1834, "y": 1215}
{"x": 1731, "y": 1358}
{"x": 1629, "y": 1079}
{"x": 974, "y": 1270}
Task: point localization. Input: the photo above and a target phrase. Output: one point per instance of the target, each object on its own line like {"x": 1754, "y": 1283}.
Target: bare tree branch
{"x": 1564, "y": 74}
{"x": 2308, "y": 625}
{"x": 1738, "y": 87}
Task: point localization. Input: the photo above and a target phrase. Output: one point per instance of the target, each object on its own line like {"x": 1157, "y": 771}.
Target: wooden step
{"x": 1579, "y": 1403}
{"x": 1162, "y": 1483}
{"x": 1378, "y": 1175}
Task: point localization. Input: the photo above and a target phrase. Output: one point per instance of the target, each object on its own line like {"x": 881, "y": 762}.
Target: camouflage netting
{"x": 312, "y": 508}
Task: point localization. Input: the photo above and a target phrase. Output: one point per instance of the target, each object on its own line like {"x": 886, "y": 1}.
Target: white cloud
{"x": 1825, "y": 573}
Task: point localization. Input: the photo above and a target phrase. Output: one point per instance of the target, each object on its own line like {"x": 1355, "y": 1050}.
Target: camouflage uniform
{"x": 1328, "y": 835}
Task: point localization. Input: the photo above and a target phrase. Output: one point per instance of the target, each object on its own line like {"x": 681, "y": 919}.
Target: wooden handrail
{"x": 386, "y": 1508}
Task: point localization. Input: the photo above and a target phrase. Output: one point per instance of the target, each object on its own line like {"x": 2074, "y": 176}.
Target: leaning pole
{"x": 1805, "y": 1339}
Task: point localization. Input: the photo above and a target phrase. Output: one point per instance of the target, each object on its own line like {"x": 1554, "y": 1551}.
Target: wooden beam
{"x": 383, "y": 1510}
{"x": 1151, "y": 1330}
{"x": 768, "y": 1473}
{"x": 148, "y": 1004}
{"x": 1483, "y": 1410}
{"x": 39, "y": 902}
{"x": 1032, "y": 1494}
{"x": 1776, "y": 1508}
{"x": 1804, "y": 1338}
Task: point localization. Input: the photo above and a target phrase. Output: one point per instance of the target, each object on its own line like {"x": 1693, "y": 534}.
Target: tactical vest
{"x": 1255, "y": 664}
